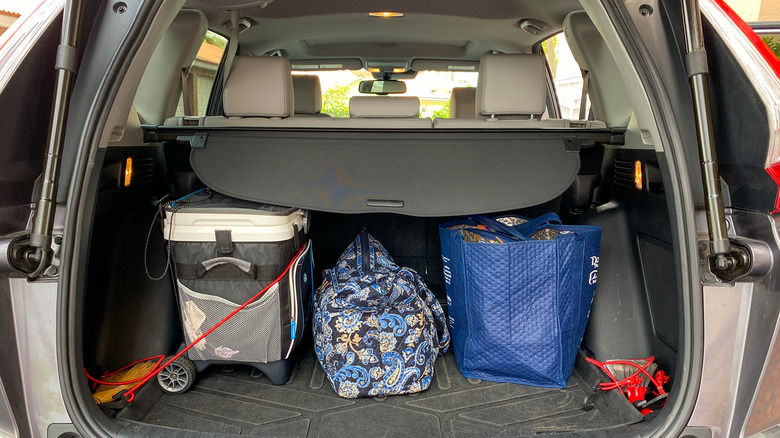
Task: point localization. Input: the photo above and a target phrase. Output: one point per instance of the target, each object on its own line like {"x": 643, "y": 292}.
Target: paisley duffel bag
{"x": 375, "y": 324}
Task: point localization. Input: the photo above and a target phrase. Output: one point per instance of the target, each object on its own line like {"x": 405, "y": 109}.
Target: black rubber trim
{"x": 673, "y": 419}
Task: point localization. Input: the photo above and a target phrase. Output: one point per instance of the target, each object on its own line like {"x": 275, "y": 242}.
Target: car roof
{"x": 460, "y": 30}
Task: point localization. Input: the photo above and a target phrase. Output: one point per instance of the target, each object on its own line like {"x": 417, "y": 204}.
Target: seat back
{"x": 463, "y": 102}
{"x": 379, "y": 107}
{"x": 385, "y": 112}
{"x": 308, "y": 96}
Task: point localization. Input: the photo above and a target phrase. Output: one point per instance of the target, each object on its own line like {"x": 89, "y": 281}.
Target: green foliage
{"x": 773, "y": 45}
{"x": 215, "y": 39}
{"x": 335, "y": 101}
{"x": 550, "y": 48}
{"x": 443, "y": 112}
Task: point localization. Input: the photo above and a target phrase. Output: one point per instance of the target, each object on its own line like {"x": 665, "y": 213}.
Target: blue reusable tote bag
{"x": 519, "y": 293}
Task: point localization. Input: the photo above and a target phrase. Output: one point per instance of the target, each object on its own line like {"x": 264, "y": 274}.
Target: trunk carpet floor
{"x": 242, "y": 401}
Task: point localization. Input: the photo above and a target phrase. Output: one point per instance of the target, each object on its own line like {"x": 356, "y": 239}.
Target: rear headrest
{"x": 511, "y": 85}
{"x": 259, "y": 86}
{"x": 384, "y": 106}
{"x": 462, "y": 103}
{"x": 308, "y": 94}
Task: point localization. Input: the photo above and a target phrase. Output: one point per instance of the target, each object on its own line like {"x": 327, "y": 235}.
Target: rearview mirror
{"x": 382, "y": 87}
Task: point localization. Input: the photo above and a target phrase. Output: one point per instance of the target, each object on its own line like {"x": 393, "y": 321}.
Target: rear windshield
{"x": 433, "y": 88}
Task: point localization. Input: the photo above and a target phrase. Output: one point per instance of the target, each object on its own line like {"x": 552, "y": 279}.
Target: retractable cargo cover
{"x": 421, "y": 173}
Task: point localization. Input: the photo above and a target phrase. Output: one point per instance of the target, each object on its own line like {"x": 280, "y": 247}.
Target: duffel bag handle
{"x": 207, "y": 265}
{"x": 433, "y": 304}
{"x": 518, "y": 232}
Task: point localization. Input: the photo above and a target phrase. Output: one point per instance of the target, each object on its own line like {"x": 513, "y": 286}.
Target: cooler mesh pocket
{"x": 251, "y": 335}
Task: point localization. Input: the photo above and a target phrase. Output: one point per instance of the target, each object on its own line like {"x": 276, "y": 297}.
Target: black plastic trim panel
{"x": 411, "y": 172}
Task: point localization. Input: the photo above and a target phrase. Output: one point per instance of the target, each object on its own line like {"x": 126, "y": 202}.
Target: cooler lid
{"x": 209, "y": 201}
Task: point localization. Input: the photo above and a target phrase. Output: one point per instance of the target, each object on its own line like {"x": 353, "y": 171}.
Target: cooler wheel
{"x": 178, "y": 376}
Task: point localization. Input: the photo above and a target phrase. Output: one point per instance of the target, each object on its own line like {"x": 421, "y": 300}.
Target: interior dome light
{"x": 386, "y": 14}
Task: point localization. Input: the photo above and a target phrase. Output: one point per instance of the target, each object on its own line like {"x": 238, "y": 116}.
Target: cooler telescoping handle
{"x": 207, "y": 265}
{"x": 523, "y": 231}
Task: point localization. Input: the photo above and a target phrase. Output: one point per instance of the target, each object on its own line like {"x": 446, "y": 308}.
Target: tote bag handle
{"x": 517, "y": 232}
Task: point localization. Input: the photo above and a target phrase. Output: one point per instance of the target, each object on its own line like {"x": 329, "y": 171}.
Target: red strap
{"x": 632, "y": 379}
{"x": 126, "y": 382}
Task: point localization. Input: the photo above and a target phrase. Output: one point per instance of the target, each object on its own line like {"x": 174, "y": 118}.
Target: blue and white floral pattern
{"x": 375, "y": 324}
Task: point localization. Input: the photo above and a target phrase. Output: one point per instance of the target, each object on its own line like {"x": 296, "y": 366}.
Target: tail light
{"x": 763, "y": 69}
{"x": 128, "y": 172}
{"x": 638, "y": 178}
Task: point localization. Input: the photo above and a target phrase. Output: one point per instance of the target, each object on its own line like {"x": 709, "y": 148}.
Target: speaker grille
{"x": 624, "y": 172}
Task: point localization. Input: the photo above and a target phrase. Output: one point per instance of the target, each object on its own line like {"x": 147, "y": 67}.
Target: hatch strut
{"x": 39, "y": 253}
{"x": 726, "y": 261}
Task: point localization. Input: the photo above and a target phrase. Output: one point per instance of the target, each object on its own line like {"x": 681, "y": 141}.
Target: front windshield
{"x": 433, "y": 88}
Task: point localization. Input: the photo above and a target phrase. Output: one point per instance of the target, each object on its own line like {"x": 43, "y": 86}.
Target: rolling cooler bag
{"x": 519, "y": 293}
{"x": 225, "y": 251}
{"x": 374, "y": 324}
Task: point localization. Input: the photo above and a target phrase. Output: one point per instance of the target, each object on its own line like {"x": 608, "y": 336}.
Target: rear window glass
{"x": 567, "y": 76}
{"x": 433, "y": 88}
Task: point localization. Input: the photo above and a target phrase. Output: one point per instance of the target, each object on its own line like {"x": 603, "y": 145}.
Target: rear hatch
{"x": 642, "y": 187}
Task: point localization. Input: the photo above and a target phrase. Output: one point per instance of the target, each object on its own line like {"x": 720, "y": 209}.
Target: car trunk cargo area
{"x": 238, "y": 400}
{"x": 127, "y": 316}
